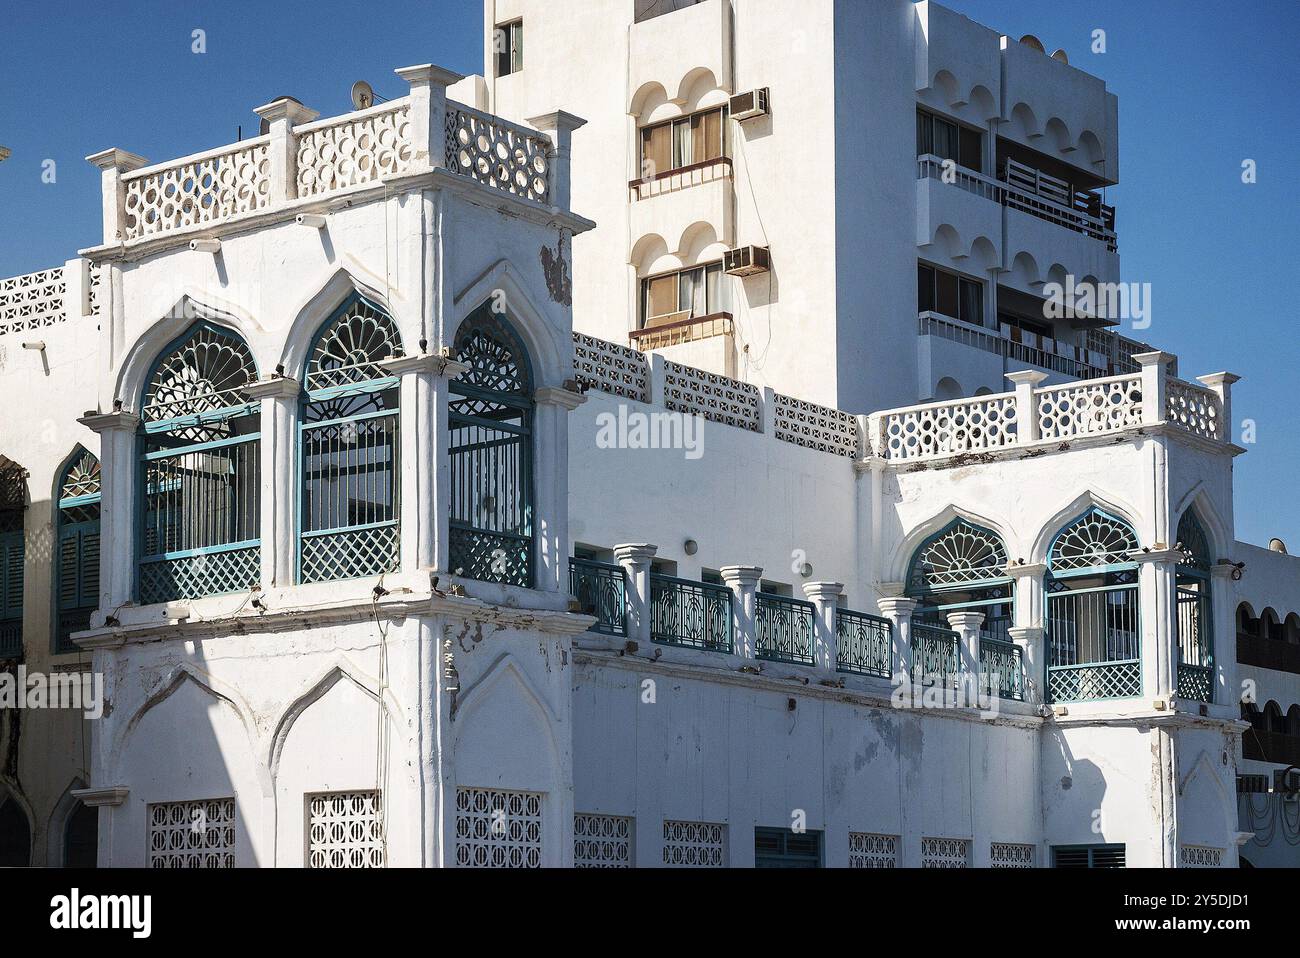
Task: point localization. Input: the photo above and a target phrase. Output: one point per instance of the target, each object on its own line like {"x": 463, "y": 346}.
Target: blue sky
{"x": 1202, "y": 84}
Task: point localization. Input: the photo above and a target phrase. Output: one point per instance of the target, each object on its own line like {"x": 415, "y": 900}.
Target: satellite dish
{"x": 362, "y": 95}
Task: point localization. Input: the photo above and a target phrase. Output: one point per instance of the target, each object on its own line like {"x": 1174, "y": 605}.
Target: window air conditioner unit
{"x": 746, "y": 260}
{"x": 746, "y": 106}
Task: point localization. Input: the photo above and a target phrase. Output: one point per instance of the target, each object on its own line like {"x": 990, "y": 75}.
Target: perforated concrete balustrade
{"x": 48, "y": 297}
{"x": 302, "y": 158}
{"x": 925, "y": 432}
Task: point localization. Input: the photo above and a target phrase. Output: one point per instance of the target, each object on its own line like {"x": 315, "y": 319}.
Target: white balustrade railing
{"x": 1085, "y": 409}
{"x": 931, "y": 430}
{"x": 716, "y": 398}
{"x": 199, "y": 190}
{"x": 497, "y": 153}
{"x": 611, "y": 368}
{"x": 1195, "y": 408}
{"x": 353, "y": 150}
{"x": 814, "y": 427}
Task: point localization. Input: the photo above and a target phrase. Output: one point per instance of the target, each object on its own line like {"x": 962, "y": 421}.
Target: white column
{"x": 967, "y": 625}
{"x": 282, "y": 116}
{"x": 1154, "y": 372}
{"x": 1032, "y": 656}
{"x": 825, "y": 641}
{"x": 551, "y": 485}
{"x": 898, "y": 610}
{"x": 743, "y": 581}
{"x": 428, "y": 111}
{"x": 1221, "y": 385}
{"x": 1026, "y": 403}
{"x": 117, "y": 465}
{"x": 1223, "y": 609}
{"x": 635, "y": 558}
{"x": 1159, "y": 626}
{"x": 559, "y": 126}
{"x": 112, "y": 164}
{"x": 279, "y": 475}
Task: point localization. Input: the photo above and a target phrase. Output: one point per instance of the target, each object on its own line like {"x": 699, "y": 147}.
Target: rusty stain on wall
{"x": 555, "y": 268}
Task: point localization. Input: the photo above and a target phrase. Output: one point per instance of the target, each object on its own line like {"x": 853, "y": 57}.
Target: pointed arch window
{"x": 1093, "y": 634}
{"x": 348, "y": 448}
{"x": 490, "y": 418}
{"x": 963, "y": 567}
{"x": 1194, "y": 618}
{"x": 13, "y": 557}
{"x": 200, "y": 465}
{"x": 76, "y": 572}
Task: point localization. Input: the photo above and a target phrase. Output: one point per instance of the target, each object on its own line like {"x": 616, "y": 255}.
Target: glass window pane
{"x": 681, "y": 143}
{"x": 661, "y": 297}
{"x": 719, "y": 289}
{"x": 972, "y": 302}
{"x": 924, "y": 288}
{"x": 946, "y": 294}
{"x": 971, "y": 148}
{"x": 924, "y": 134}
{"x": 945, "y": 139}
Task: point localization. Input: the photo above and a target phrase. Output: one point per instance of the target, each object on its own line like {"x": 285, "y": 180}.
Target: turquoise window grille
{"x": 963, "y": 567}
{"x": 1093, "y": 625}
{"x": 784, "y": 848}
{"x": 600, "y": 589}
{"x": 348, "y": 461}
{"x": 13, "y": 557}
{"x": 696, "y": 615}
{"x": 490, "y": 419}
{"x": 76, "y": 570}
{"x": 783, "y": 629}
{"x": 200, "y": 470}
{"x": 1194, "y": 619}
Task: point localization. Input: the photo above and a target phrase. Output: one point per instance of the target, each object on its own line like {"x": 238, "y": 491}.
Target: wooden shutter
{"x": 12, "y": 555}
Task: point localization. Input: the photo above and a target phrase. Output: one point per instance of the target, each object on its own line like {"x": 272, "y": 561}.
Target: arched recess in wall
{"x": 490, "y": 427}
{"x": 73, "y": 831}
{"x": 15, "y": 832}
{"x": 1194, "y": 615}
{"x": 962, "y": 568}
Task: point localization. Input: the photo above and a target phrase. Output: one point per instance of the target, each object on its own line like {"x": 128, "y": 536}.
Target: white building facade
{"x": 458, "y": 482}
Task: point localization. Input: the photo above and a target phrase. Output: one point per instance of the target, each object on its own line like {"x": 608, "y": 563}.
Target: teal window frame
{"x": 13, "y": 559}
{"x": 993, "y": 594}
{"x": 1194, "y": 611}
{"x": 77, "y": 537}
{"x": 1117, "y": 676}
{"x": 350, "y": 411}
{"x": 176, "y": 442}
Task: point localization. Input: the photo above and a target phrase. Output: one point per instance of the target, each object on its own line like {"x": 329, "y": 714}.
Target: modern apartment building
{"x": 658, "y": 451}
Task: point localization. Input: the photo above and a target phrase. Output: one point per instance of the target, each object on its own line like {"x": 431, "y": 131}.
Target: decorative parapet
{"x": 199, "y": 190}
{"x": 933, "y": 430}
{"x": 497, "y": 153}
{"x": 815, "y": 427}
{"x": 33, "y": 301}
{"x": 714, "y": 397}
{"x": 611, "y": 368}
{"x": 359, "y": 148}
{"x": 1195, "y": 408}
{"x": 1089, "y": 408}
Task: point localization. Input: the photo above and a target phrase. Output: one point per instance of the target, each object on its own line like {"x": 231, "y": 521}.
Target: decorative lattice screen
{"x": 345, "y": 830}
{"x": 1200, "y": 856}
{"x": 872, "y": 851}
{"x": 945, "y": 853}
{"x": 695, "y": 845}
{"x": 496, "y": 828}
{"x": 1011, "y": 855}
{"x": 602, "y": 841}
{"x": 197, "y": 834}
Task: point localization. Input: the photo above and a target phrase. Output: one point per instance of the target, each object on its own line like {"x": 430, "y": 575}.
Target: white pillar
{"x": 551, "y": 485}
{"x": 1221, "y": 385}
{"x": 743, "y": 581}
{"x": 1026, "y": 382}
{"x": 428, "y": 112}
{"x": 282, "y": 116}
{"x": 559, "y": 126}
{"x": 898, "y": 610}
{"x": 635, "y": 559}
{"x": 113, "y": 164}
{"x": 1154, "y": 372}
{"x": 117, "y": 523}
{"x": 1159, "y": 626}
{"x": 1032, "y": 656}
{"x": 967, "y": 625}
{"x": 825, "y": 641}
{"x": 1225, "y": 690}
{"x": 279, "y": 475}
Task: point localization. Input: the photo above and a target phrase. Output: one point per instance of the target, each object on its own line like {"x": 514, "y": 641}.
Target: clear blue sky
{"x": 1203, "y": 84}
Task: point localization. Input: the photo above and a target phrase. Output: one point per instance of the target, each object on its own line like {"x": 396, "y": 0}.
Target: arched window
{"x": 962, "y": 567}
{"x": 81, "y": 837}
{"x": 1273, "y": 719}
{"x": 200, "y": 463}
{"x": 1195, "y": 628}
{"x": 15, "y": 834}
{"x": 1092, "y": 611}
{"x": 490, "y": 417}
{"x": 1247, "y": 624}
{"x": 13, "y": 556}
{"x": 348, "y": 441}
{"x": 76, "y": 587}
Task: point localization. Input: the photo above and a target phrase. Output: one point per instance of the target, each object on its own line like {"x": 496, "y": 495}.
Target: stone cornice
{"x": 103, "y": 421}
{"x": 111, "y": 795}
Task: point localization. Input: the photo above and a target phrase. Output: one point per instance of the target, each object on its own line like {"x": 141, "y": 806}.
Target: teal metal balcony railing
{"x": 783, "y": 629}
{"x": 1000, "y": 666}
{"x": 601, "y": 590}
{"x": 864, "y": 643}
{"x": 936, "y": 655}
{"x": 692, "y": 614}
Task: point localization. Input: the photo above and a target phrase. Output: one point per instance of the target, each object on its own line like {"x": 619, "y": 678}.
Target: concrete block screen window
{"x": 508, "y": 46}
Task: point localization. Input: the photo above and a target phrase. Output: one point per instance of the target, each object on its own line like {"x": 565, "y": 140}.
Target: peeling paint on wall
{"x": 555, "y": 267}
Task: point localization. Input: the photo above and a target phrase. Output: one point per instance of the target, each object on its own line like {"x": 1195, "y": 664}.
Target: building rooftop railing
{"x": 302, "y": 158}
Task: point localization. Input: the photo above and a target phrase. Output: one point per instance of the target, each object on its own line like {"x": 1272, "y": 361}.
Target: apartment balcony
{"x": 670, "y": 203}
{"x": 1279, "y": 748}
{"x": 705, "y": 342}
{"x": 1266, "y": 653}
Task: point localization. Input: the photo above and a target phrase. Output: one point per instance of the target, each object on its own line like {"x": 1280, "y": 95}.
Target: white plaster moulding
{"x": 439, "y": 178}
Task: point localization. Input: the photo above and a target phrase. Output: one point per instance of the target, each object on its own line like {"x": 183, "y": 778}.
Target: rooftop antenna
{"x": 364, "y": 96}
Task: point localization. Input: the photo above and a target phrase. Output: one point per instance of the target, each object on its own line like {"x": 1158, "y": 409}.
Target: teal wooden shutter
{"x": 12, "y": 555}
